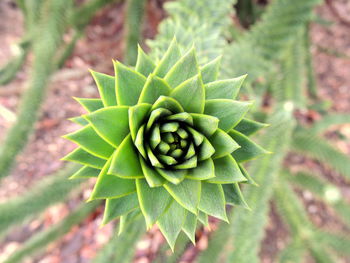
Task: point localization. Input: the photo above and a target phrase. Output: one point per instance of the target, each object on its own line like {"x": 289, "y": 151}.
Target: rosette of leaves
{"x": 166, "y": 140}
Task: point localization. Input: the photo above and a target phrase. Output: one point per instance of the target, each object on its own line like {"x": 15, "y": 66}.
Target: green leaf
{"x": 106, "y": 88}
{"x": 155, "y": 115}
{"x": 144, "y": 64}
{"x": 171, "y": 222}
{"x": 85, "y": 172}
{"x": 90, "y": 104}
{"x": 249, "y": 149}
{"x": 222, "y": 143}
{"x": 184, "y": 69}
{"x": 203, "y": 218}
{"x": 197, "y": 137}
{"x": 186, "y": 194}
{"x": 153, "y": 178}
{"x": 110, "y": 123}
{"x": 245, "y": 173}
{"x": 205, "y": 124}
{"x": 171, "y": 56}
{"x": 110, "y": 186}
{"x": 172, "y": 176}
{"x": 229, "y": 112}
{"x": 119, "y": 206}
{"x": 188, "y": 164}
{"x": 189, "y": 226}
{"x": 213, "y": 201}
{"x": 210, "y": 71}
{"x": 91, "y": 142}
{"x": 153, "y": 89}
{"x": 153, "y": 201}
{"x": 203, "y": 171}
{"x": 190, "y": 94}
{"x": 234, "y": 196}
{"x": 249, "y": 127}
{"x": 154, "y": 138}
{"x": 129, "y": 84}
{"x": 127, "y": 220}
{"x": 206, "y": 150}
{"x": 79, "y": 120}
{"x": 83, "y": 157}
{"x": 224, "y": 89}
{"x": 125, "y": 162}
{"x": 182, "y": 117}
{"x": 137, "y": 116}
{"x": 139, "y": 142}
{"x": 226, "y": 171}
{"x": 168, "y": 103}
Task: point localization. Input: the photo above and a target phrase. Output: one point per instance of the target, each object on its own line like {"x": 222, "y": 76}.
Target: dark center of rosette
{"x": 168, "y": 140}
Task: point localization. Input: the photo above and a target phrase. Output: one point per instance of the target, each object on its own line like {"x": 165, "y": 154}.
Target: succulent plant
{"x": 166, "y": 140}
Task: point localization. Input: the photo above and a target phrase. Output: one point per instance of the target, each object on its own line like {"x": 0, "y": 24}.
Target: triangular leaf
{"x": 119, "y": 206}
{"x": 106, "y": 88}
{"x": 85, "y": 172}
{"x": 129, "y": 84}
{"x": 210, "y": 71}
{"x": 90, "y": 141}
{"x": 206, "y": 150}
{"x": 153, "y": 201}
{"x": 189, "y": 226}
{"x": 229, "y": 112}
{"x": 184, "y": 69}
{"x": 245, "y": 173}
{"x": 144, "y": 64}
{"x": 186, "y": 194}
{"x": 171, "y": 56}
{"x": 249, "y": 127}
{"x": 172, "y": 176}
{"x": 138, "y": 115}
{"x": 249, "y": 149}
{"x": 205, "y": 124}
{"x": 110, "y": 123}
{"x": 222, "y": 143}
{"x": 203, "y": 218}
{"x": 203, "y": 171}
{"x": 79, "y": 120}
{"x": 110, "y": 186}
{"x": 191, "y": 95}
{"x": 168, "y": 103}
{"x": 153, "y": 178}
{"x": 224, "y": 89}
{"x": 83, "y": 157}
{"x": 226, "y": 171}
{"x": 171, "y": 222}
{"x": 213, "y": 200}
{"x": 234, "y": 195}
{"x": 125, "y": 162}
{"x": 153, "y": 89}
{"x": 90, "y": 104}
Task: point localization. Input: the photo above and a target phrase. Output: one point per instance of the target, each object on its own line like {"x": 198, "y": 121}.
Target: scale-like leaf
{"x": 85, "y": 172}
{"x": 168, "y": 103}
{"x": 224, "y": 89}
{"x": 249, "y": 127}
{"x": 83, "y": 157}
{"x": 173, "y": 176}
{"x": 222, "y": 143}
{"x": 189, "y": 226}
{"x": 153, "y": 178}
{"x": 144, "y": 64}
{"x": 90, "y": 104}
{"x": 226, "y": 171}
{"x": 205, "y": 124}
{"x": 153, "y": 89}
{"x": 106, "y": 88}
{"x": 203, "y": 171}
{"x": 137, "y": 117}
{"x": 210, "y": 71}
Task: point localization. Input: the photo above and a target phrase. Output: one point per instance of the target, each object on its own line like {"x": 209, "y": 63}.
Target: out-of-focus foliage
{"x": 275, "y": 52}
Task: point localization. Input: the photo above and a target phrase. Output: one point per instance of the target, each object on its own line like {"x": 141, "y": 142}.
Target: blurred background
{"x": 46, "y": 49}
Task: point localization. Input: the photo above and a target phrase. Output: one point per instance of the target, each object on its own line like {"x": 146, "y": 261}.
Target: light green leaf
{"x": 137, "y": 116}
{"x": 110, "y": 186}
{"x": 90, "y": 141}
{"x": 213, "y": 201}
{"x": 206, "y": 150}
{"x": 189, "y": 226}
{"x": 171, "y": 56}
{"x": 90, "y": 104}
{"x": 205, "y": 124}
{"x": 183, "y": 117}
{"x": 188, "y": 164}
{"x": 168, "y": 103}
{"x": 155, "y": 115}
{"x": 129, "y": 84}
{"x": 184, "y": 69}
{"x": 245, "y": 173}
{"x": 171, "y": 222}
{"x": 222, "y": 143}
{"x": 144, "y": 64}
{"x": 210, "y": 71}
{"x": 172, "y": 176}
{"x": 249, "y": 149}
{"x": 203, "y": 171}
{"x": 154, "y": 138}
{"x": 153, "y": 201}
{"x": 110, "y": 123}
{"x": 153, "y": 89}
{"x": 106, "y": 88}
{"x": 249, "y": 127}
{"x": 226, "y": 171}
{"x": 139, "y": 142}
{"x": 229, "y": 112}
{"x": 153, "y": 178}
{"x": 119, "y": 206}
{"x": 197, "y": 137}
{"x": 79, "y": 120}
{"x": 203, "y": 218}
{"x": 85, "y": 172}
{"x": 125, "y": 162}
{"x": 186, "y": 194}
{"x": 224, "y": 89}
{"x": 191, "y": 95}
{"x": 83, "y": 157}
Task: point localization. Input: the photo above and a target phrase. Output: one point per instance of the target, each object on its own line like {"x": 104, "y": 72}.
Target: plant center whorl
{"x": 168, "y": 140}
